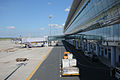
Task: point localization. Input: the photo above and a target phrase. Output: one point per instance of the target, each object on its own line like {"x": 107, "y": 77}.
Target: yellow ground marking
{"x": 31, "y": 74}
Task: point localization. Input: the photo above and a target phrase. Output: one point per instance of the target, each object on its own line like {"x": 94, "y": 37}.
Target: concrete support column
{"x": 92, "y": 48}
{"x": 97, "y": 49}
{"x": 104, "y": 54}
{"x": 117, "y": 55}
{"x": 100, "y": 51}
{"x": 86, "y": 42}
{"x": 76, "y": 45}
{"x": 82, "y": 45}
{"x": 85, "y": 46}
{"x": 88, "y": 46}
{"x": 79, "y": 43}
{"x": 68, "y": 41}
{"x": 72, "y": 42}
{"x": 107, "y": 52}
{"x": 113, "y": 56}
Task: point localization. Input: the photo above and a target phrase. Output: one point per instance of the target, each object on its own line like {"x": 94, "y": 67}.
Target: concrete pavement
{"x": 8, "y": 62}
{"x": 50, "y": 68}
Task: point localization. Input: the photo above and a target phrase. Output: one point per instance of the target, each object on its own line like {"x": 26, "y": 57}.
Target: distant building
{"x": 96, "y": 18}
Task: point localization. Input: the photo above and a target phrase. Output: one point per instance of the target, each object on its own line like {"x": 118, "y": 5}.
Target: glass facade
{"x": 110, "y": 33}
{"x": 97, "y": 11}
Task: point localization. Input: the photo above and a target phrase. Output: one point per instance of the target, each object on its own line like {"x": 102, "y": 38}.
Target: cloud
{"x": 63, "y": 25}
{"x": 11, "y": 27}
{"x": 49, "y": 3}
{"x": 67, "y": 9}
{"x": 42, "y": 28}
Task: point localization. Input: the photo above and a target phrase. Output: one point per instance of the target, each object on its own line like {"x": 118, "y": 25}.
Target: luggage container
{"x": 70, "y": 56}
{"x": 69, "y": 67}
{"x": 69, "y": 71}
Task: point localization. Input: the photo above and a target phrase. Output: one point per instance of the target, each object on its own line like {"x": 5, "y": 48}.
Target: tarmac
{"x": 12, "y": 70}
{"x": 50, "y": 69}
{"x": 44, "y": 63}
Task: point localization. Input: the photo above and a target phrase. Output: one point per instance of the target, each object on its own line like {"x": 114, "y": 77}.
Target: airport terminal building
{"x": 96, "y": 23}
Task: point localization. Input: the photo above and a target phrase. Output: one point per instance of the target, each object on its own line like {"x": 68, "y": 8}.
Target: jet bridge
{"x": 75, "y": 36}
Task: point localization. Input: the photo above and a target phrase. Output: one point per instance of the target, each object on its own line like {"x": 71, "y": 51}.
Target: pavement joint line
{"x": 31, "y": 74}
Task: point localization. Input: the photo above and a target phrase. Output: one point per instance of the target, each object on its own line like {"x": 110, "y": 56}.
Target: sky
{"x": 30, "y": 18}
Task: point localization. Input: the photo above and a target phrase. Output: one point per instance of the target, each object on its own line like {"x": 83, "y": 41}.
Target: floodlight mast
{"x": 50, "y": 17}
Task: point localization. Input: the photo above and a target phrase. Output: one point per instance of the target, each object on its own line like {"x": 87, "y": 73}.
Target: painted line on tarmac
{"x": 31, "y": 74}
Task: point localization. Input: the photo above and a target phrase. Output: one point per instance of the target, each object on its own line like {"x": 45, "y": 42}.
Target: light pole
{"x": 50, "y": 17}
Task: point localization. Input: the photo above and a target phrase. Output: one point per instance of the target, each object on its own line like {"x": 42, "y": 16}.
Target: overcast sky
{"x": 31, "y": 17}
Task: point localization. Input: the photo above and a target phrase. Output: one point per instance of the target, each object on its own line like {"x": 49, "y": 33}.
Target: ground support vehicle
{"x": 69, "y": 66}
{"x": 34, "y": 42}
{"x": 66, "y": 55}
{"x": 70, "y": 71}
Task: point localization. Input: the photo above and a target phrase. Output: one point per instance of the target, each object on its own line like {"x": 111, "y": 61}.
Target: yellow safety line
{"x": 31, "y": 74}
